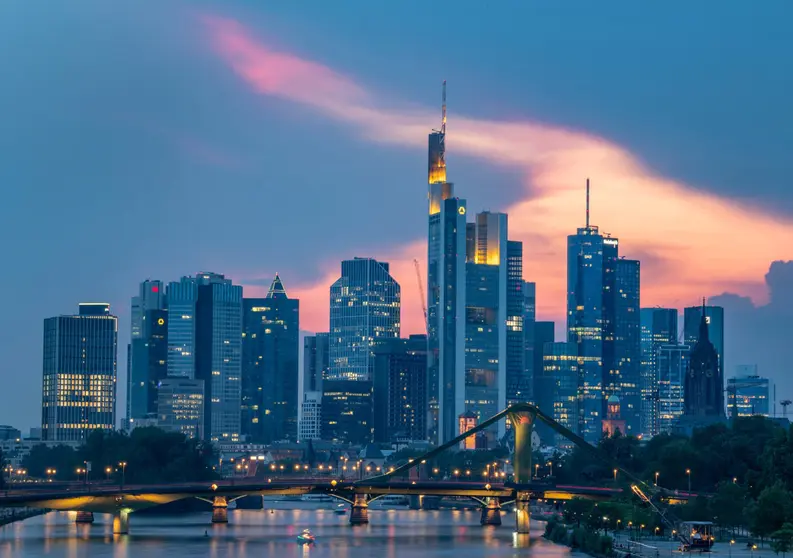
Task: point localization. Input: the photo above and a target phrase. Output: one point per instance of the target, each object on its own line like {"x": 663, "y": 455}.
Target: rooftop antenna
{"x": 587, "y": 184}
{"x": 443, "y": 119}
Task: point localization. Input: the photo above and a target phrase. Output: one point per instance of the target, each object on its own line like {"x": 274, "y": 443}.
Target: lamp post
{"x": 123, "y": 465}
{"x": 688, "y": 473}
{"x": 732, "y": 542}
{"x": 615, "y": 475}
{"x": 108, "y": 470}
{"x": 536, "y": 470}
{"x": 550, "y": 464}
{"x": 656, "y": 478}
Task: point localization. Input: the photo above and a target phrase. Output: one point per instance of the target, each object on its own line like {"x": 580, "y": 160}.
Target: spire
{"x": 277, "y": 289}
{"x": 587, "y": 203}
{"x": 443, "y": 110}
{"x": 703, "y": 325}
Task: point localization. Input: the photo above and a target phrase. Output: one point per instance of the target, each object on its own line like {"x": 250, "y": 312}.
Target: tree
{"x": 771, "y": 510}
{"x": 782, "y": 539}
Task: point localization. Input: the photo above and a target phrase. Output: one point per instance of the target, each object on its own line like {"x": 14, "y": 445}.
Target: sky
{"x": 158, "y": 139}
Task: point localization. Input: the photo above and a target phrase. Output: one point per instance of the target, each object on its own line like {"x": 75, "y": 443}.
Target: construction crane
{"x": 421, "y": 283}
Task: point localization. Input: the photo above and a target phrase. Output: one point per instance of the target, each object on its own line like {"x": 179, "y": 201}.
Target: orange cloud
{"x": 690, "y": 242}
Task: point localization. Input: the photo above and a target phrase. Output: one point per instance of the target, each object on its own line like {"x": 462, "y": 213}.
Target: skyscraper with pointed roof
{"x": 270, "y": 347}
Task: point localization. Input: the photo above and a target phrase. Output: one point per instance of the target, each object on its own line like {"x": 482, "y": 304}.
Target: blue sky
{"x": 130, "y": 149}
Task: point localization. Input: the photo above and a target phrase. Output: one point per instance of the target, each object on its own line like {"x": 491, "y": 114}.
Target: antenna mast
{"x": 587, "y": 198}
{"x": 443, "y": 119}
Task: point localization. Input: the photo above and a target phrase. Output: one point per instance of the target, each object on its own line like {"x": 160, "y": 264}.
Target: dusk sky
{"x": 158, "y": 139}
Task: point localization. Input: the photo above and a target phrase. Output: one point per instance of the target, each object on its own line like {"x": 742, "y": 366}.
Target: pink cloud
{"x": 695, "y": 243}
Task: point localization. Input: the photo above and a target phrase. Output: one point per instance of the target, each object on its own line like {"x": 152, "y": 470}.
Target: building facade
{"x": 627, "y": 348}
{"x": 310, "y": 424}
{"x": 347, "y": 411}
{"x": 704, "y": 384}
{"x": 591, "y": 319}
{"x": 180, "y": 403}
{"x": 518, "y": 377}
{"x": 529, "y": 318}
{"x": 316, "y": 359}
{"x": 364, "y": 309}
{"x": 148, "y": 349}
{"x": 270, "y": 373}
{"x": 399, "y": 396}
{"x": 79, "y": 374}
{"x": 748, "y": 394}
{"x": 561, "y": 372}
{"x": 658, "y": 328}
{"x": 672, "y": 367}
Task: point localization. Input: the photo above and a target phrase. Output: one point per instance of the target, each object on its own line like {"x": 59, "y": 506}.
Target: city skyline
{"x": 234, "y": 48}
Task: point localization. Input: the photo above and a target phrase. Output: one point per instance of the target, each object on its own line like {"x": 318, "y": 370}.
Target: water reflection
{"x": 391, "y": 534}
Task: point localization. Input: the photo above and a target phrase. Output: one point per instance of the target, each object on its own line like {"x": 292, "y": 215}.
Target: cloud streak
{"x": 694, "y": 243}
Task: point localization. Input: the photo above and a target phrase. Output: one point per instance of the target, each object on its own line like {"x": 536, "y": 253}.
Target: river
{"x": 390, "y": 534}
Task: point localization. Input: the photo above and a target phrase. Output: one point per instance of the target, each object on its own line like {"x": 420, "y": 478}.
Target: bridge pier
{"x": 220, "y": 509}
{"x": 491, "y": 514}
{"x": 121, "y": 522}
{"x": 359, "y": 511}
{"x": 523, "y": 514}
{"x": 523, "y": 423}
{"x": 84, "y": 517}
{"x": 415, "y": 501}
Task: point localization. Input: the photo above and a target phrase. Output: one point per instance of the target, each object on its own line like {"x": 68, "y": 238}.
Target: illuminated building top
{"x": 436, "y": 174}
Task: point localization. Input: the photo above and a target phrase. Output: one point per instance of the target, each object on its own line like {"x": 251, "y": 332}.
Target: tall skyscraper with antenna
{"x": 591, "y": 319}
{"x": 445, "y": 293}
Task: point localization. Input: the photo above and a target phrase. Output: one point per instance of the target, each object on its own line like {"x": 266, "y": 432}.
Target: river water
{"x": 390, "y": 534}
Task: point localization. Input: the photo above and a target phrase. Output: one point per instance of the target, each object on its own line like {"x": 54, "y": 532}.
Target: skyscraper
{"x": 560, "y": 372}
{"x": 205, "y": 343}
{"x": 364, "y": 309}
{"x": 714, "y": 318}
{"x": 529, "y": 319}
{"x": 148, "y": 350}
{"x": 180, "y": 405}
{"x": 79, "y": 374}
{"x": 445, "y": 294}
{"x": 518, "y": 373}
{"x": 316, "y": 356}
{"x": 627, "y": 347}
{"x": 270, "y": 345}
{"x": 400, "y": 390}
{"x": 658, "y": 328}
{"x": 591, "y": 316}
{"x": 486, "y": 320}
{"x": 544, "y": 386}
{"x": 704, "y": 384}
{"x": 748, "y": 394}
{"x": 671, "y": 370}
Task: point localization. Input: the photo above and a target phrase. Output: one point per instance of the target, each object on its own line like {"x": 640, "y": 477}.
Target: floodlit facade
{"x": 79, "y": 374}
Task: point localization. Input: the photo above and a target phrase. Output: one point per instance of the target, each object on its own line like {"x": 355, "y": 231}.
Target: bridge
{"x": 121, "y": 501}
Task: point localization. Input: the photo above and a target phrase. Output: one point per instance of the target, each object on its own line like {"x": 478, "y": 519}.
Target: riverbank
{"x": 578, "y": 538}
{"x": 10, "y": 515}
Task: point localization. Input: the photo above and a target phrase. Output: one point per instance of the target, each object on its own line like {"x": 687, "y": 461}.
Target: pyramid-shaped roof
{"x": 277, "y": 289}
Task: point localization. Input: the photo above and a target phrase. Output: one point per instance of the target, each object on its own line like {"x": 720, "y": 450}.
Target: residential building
{"x": 79, "y": 374}
{"x": 270, "y": 373}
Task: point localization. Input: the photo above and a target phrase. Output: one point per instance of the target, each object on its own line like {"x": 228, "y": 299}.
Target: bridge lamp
{"x": 282, "y": 467}
{"x": 321, "y": 467}
{"x": 305, "y": 467}
{"x": 333, "y": 482}
{"x": 378, "y": 468}
{"x": 467, "y": 473}
{"x": 368, "y": 468}
{"x": 456, "y": 472}
{"x": 272, "y": 467}
{"x": 488, "y": 487}
{"x": 297, "y": 467}
{"x": 436, "y": 471}
{"x": 423, "y": 461}
{"x": 391, "y": 470}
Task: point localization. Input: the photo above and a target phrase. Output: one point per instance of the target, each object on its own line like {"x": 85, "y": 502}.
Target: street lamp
{"x": 732, "y": 542}
{"x": 456, "y": 474}
{"x": 615, "y": 475}
{"x": 550, "y": 464}
{"x": 536, "y": 470}
{"x": 688, "y": 472}
{"x": 754, "y": 547}
{"x": 656, "y": 478}
{"x": 108, "y": 470}
{"x": 123, "y": 465}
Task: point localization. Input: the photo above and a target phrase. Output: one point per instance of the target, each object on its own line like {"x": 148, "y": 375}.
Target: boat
{"x": 390, "y": 501}
{"x": 340, "y": 510}
{"x": 316, "y": 498}
{"x": 305, "y": 537}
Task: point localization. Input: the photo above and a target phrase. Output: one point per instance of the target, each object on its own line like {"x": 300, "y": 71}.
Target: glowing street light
{"x": 688, "y": 472}
{"x": 656, "y": 478}
{"x": 123, "y": 465}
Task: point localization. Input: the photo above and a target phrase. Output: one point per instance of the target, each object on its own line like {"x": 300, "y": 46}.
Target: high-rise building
{"x": 270, "y": 374}
{"x": 347, "y": 411}
{"x": 704, "y": 384}
{"x": 79, "y": 374}
{"x": 747, "y": 393}
{"x": 399, "y": 394}
{"x": 671, "y": 368}
{"x": 658, "y": 328}
{"x": 309, "y": 426}
{"x": 364, "y": 310}
{"x": 529, "y": 317}
{"x": 180, "y": 404}
{"x": 560, "y": 372}
{"x": 543, "y": 339}
{"x": 446, "y": 253}
{"x": 205, "y": 343}
{"x": 148, "y": 350}
{"x": 486, "y": 320}
{"x": 591, "y": 319}
{"x": 714, "y": 318}
{"x": 518, "y": 374}
{"x": 316, "y": 357}
{"x": 627, "y": 349}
